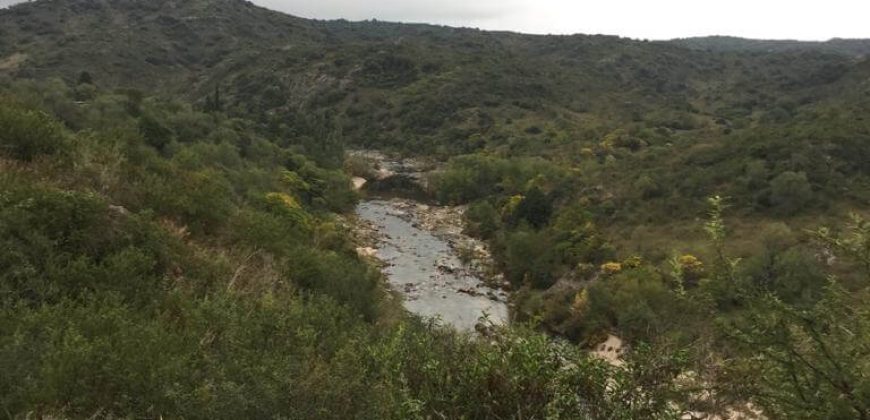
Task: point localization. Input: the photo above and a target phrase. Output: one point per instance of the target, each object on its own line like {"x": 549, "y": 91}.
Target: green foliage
{"x": 154, "y": 133}
{"x": 523, "y": 372}
{"x": 473, "y": 177}
{"x": 535, "y": 208}
{"x": 26, "y": 133}
{"x": 854, "y": 244}
{"x": 578, "y": 241}
{"x": 200, "y": 282}
{"x": 790, "y": 192}
{"x": 529, "y": 259}
{"x": 807, "y": 363}
{"x": 162, "y": 261}
{"x": 800, "y": 348}
{"x": 341, "y": 277}
{"x": 793, "y": 274}
{"x": 636, "y": 302}
{"x": 483, "y": 220}
{"x": 62, "y": 244}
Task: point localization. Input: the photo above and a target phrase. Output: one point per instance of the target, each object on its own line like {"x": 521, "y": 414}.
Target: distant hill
{"x": 851, "y": 47}
{"x": 268, "y": 62}
{"x": 637, "y": 106}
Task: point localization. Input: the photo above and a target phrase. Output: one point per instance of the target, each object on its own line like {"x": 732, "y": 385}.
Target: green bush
{"x": 483, "y": 220}
{"x": 339, "y": 276}
{"x": 790, "y": 192}
{"x": 529, "y": 259}
{"x": 61, "y": 244}
{"x": 26, "y": 134}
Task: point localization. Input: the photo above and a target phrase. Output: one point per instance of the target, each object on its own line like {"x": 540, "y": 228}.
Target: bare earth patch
{"x": 12, "y": 62}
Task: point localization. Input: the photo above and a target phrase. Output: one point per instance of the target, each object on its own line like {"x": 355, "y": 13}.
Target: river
{"x": 419, "y": 246}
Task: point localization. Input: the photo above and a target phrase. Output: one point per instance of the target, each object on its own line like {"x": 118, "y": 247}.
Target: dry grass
{"x": 12, "y": 62}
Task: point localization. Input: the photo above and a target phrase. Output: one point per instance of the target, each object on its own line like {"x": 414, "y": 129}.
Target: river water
{"x": 424, "y": 267}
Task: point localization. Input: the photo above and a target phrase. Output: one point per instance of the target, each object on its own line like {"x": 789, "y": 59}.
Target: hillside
{"x": 852, "y": 47}
{"x": 444, "y": 91}
{"x": 177, "y": 230}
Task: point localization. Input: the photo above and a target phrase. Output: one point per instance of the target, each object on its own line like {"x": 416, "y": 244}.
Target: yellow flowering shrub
{"x": 633, "y": 262}
{"x": 611, "y": 268}
{"x": 581, "y": 301}
{"x": 295, "y": 182}
{"x": 512, "y": 204}
{"x": 289, "y": 207}
{"x": 690, "y": 264}
{"x": 284, "y": 199}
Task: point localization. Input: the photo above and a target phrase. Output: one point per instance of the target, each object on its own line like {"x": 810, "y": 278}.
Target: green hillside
{"x": 854, "y": 47}
{"x": 174, "y": 194}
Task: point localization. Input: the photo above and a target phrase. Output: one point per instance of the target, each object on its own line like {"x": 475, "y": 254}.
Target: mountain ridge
{"x": 855, "y": 47}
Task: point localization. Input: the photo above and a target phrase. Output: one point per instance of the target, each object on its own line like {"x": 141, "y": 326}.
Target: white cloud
{"x": 653, "y": 19}
{"x": 403, "y": 10}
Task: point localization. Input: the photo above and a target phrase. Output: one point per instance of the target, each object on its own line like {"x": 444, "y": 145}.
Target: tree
{"x": 535, "y": 208}
{"x": 26, "y": 134}
{"x": 155, "y": 133}
{"x": 790, "y": 192}
{"x": 483, "y": 219}
{"x": 529, "y": 258}
{"x": 213, "y": 102}
{"x": 85, "y": 78}
{"x": 806, "y": 362}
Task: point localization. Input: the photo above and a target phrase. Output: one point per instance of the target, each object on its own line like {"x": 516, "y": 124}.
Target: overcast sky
{"x": 651, "y": 19}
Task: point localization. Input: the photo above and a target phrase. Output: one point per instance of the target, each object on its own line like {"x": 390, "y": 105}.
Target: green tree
{"x": 806, "y": 364}
{"x": 799, "y": 361}
{"x": 85, "y": 78}
{"x": 790, "y": 192}
{"x": 483, "y": 219}
{"x": 529, "y": 258}
{"x": 26, "y": 134}
{"x": 535, "y": 209}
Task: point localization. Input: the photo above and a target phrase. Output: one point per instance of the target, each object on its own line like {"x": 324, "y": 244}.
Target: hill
{"x": 174, "y": 186}
{"x": 445, "y": 91}
{"x": 614, "y": 112}
{"x": 852, "y": 47}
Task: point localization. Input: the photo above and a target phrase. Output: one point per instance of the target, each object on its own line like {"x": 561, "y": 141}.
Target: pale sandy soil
{"x": 12, "y": 62}
{"x": 610, "y": 350}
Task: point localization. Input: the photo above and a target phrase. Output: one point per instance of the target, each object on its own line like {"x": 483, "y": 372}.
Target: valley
{"x": 210, "y": 209}
{"x": 440, "y": 272}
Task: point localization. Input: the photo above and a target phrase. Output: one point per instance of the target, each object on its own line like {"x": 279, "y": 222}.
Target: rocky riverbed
{"x": 440, "y": 272}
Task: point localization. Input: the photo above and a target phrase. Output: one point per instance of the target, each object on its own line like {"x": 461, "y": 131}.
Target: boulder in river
{"x": 359, "y": 183}
{"x": 470, "y": 292}
{"x": 446, "y": 269}
{"x": 367, "y": 252}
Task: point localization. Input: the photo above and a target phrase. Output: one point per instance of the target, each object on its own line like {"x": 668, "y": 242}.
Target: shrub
{"x": 62, "y": 244}
{"x": 529, "y": 259}
{"x": 26, "y": 134}
{"x": 338, "y": 276}
{"x": 790, "y": 192}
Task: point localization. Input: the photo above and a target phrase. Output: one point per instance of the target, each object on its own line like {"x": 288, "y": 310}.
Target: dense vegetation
{"x": 856, "y": 47}
{"x": 160, "y": 260}
{"x": 173, "y": 240}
